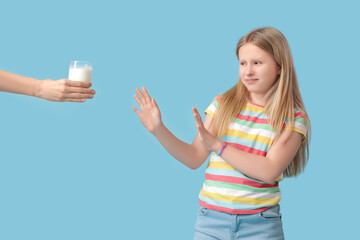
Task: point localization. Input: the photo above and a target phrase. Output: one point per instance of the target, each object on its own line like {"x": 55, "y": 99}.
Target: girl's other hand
{"x": 206, "y": 137}
{"x": 65, "y": 90}
{"x": 150, "y": 115}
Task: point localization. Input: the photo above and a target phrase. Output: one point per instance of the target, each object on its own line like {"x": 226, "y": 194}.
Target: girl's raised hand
{"x": 150, "y": 115}
{"x": 206, "y": 137}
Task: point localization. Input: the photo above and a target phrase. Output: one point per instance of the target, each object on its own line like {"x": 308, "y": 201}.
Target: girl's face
{"x": 258, "y": 69}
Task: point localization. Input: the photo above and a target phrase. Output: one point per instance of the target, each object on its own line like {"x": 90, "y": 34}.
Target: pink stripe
{"x": 252, "y": 119}
{"x": 232, "y": 211}
{"x": 239, "y": 180}
{"x": 248, "y": 149}
{"x": 299, "y": 114}
{"x": 218, "y": 98}
{"x": 257, "y": 105}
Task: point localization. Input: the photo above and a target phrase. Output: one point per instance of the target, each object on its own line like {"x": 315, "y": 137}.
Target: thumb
{"x": 154, "y": 103}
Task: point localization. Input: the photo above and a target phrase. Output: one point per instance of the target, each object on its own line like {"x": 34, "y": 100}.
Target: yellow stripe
{"x": 252, "y": 137}
{"x": 209, "y": 112}
{"x": 220, "y": 165}
{"x": 236, "y": 199}
{"x": 296, "y": 130}
{"x": 279, "y": 179}
{"x": 253, "y": 108}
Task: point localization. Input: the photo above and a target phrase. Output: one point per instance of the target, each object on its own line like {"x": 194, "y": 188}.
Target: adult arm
{"x": 63, "y": 90}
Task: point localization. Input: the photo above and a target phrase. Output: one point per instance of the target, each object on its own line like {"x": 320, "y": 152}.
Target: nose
{"x": 249, "y": 70}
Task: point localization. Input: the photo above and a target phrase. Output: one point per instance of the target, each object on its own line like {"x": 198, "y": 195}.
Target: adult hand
{"x": 150, "y": 115}
{"x": 206, "y": 137}
{"x": 65, "y": 90}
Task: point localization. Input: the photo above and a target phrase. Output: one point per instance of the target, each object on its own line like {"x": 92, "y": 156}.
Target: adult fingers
{"x": 79, "y": 90}
{"x": 78, "y": 95}
{"x": 77, "y": 83}
{"x": 141, "y": 96}
{"x": 79, "y": 100}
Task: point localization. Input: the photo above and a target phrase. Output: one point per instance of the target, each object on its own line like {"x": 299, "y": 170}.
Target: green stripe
{"x": 235, "y": 186}
{"x": 215, "y": 103}
{"x": 253, "y": 125}
{"x": 300, "y": 120}
{"x": 264, "y": 126}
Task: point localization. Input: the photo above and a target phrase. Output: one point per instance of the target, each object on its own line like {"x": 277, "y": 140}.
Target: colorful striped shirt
{"x": 228, "y": 190}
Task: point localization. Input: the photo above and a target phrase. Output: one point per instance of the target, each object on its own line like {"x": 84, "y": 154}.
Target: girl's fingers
{"x": 141, "y": 95}
{"x": 153, "y": 102}
{"x": 138, "y": 101}
{"x": 198, "y": 120}
{"x": 199, "y": 124}
{"x": 197, "y": 115}
{"x": 136, "y": 110}
{"x": 195, "y": 111}
{"x": 146, "y": 94}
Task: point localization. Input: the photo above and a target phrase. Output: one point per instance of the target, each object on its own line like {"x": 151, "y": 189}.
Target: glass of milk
{"x": 80, "y": 71}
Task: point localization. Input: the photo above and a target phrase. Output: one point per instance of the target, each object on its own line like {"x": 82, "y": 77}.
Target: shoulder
{"x": 301, "y": 117}
{"x": 300, "y": 114}
{"x": 213, "y": 105}
{"x": 217, "y": 99}
{"x": 301, "y": 122}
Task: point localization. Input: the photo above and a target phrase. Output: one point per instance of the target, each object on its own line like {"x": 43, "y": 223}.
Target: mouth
{"x": 251, "y": 80}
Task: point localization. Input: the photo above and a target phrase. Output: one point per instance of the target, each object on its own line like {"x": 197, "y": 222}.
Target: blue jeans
{"x": 212, "y": 224}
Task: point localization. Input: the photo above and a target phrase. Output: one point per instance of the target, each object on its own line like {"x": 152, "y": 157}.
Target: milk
{"x": 80, "y": 74}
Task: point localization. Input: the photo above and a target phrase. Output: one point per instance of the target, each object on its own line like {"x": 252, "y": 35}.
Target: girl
{"x": 256, "y": 133}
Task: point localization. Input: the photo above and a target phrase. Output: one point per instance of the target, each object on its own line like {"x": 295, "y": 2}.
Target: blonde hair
{"x": 281, "y": 100}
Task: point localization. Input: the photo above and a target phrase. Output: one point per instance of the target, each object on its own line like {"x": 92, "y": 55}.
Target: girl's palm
{"x": 150, "y": 115}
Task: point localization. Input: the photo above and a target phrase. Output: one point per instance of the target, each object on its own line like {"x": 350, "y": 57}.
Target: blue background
{"x": 92, "y": 171}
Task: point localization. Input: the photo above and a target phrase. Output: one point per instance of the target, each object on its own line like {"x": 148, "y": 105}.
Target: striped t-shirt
{"x": 228, "y": 190}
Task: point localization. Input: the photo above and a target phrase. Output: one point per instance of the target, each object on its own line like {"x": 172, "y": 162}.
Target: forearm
{"x": 252, "y": 165}
{"x": 14, "y": 83}
{"x": 183, "y": 152}
{"x": 269, "y": 168}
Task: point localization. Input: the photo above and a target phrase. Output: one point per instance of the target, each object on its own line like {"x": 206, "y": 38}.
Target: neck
{"x": 257, "y": 99}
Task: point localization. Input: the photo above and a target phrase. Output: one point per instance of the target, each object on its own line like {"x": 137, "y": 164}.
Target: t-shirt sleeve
{"x": 213, "y": 105}
{"x": 300, "y": 124}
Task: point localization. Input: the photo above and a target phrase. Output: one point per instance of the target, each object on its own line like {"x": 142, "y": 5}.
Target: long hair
{"x": 281, "y": 100}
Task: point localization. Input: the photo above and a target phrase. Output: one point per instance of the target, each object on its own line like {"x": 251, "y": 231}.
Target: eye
{"x": 258, "y": 62}
{"x": 242, "y": 63}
